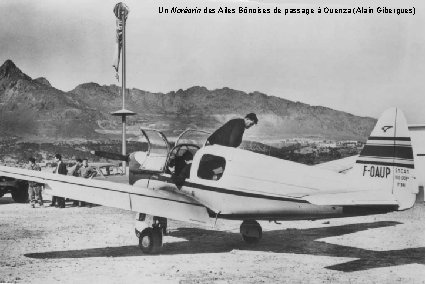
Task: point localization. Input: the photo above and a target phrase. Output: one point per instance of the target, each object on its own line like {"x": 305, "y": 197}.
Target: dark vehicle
{"x": 18, "y": 189}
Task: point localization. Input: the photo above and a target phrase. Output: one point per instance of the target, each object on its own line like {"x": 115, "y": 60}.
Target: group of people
{"x": 81, "y": 169}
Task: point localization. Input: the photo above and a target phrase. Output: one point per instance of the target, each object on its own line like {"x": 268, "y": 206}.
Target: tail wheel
{"x": 151, "y": 240}
{"x": 251, "y": 231}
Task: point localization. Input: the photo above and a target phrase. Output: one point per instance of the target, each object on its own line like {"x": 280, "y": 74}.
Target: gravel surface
{"x": 98, "y": 245}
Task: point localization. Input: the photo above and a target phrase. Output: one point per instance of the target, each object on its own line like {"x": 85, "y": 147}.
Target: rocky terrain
{"x": 32, "y": 109}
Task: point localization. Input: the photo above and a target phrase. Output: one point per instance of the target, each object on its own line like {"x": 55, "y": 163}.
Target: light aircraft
{"x": 232, "y": 183}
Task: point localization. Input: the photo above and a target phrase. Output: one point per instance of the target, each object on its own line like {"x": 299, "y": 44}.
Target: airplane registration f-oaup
{"x": 232, "y": 183}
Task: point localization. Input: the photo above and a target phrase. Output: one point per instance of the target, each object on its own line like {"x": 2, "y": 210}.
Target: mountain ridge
{"x": 34, "y": 108}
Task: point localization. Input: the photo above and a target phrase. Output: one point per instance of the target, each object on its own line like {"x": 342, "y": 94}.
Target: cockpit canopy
{"x": 160, "y": 156}
{"x": 193, "y": 137}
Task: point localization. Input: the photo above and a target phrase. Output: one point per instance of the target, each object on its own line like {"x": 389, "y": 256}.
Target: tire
{"x": 151, "y": 240}
{"x": 20, "y": 193}
{"x": 250, "y": 240}
{"x": 251, "y": 231}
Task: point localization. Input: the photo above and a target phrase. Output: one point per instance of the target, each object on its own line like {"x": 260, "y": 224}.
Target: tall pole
{"x": 123, "y": 89}
{"x": 121, "y": 11}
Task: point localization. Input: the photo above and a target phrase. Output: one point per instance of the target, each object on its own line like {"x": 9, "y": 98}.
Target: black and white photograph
{"x": 212, "y": 141}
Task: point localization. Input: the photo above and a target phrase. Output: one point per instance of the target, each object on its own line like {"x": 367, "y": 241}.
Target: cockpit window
{"x": 211, "y": 167}
{"x": 178, "y": 155}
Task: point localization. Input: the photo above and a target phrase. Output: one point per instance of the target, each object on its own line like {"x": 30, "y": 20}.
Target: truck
{"x": 18, "y": 189}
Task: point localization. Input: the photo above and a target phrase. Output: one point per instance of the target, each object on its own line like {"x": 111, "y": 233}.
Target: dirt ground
{"x": 98, "y": 245}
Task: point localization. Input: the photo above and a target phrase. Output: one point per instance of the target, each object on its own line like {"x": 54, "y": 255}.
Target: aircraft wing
{"x": 164, "y": 203}
{"x": 339, "y": 166}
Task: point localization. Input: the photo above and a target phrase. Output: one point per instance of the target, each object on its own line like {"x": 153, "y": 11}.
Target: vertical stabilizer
{"x": 386, "y": 163}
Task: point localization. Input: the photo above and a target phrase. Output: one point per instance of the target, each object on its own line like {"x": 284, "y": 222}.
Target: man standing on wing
{"x": 231, "y": 133}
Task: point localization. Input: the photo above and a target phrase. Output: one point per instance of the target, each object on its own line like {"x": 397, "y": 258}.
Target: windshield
{"x": 194, "y": 137}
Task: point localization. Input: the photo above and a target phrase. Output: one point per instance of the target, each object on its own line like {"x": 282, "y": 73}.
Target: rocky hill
{"x": 33, "y": 109}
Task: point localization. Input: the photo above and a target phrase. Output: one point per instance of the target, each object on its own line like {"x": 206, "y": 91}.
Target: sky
{"x": 361, "y": 64}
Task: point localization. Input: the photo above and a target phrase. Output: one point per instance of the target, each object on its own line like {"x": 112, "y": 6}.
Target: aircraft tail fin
{"x": 386, "y": 162}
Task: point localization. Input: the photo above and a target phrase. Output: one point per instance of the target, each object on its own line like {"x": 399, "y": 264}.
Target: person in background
{"x": 75, "y": 171}
{"x": 34, "y": 188}
{"x": 231, "y": 133}
{"x": 61, "y": 169}
{"x": 86, "y": 171}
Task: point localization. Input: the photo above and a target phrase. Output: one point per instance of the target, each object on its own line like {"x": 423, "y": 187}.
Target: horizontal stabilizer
{"x": 353, "y": 198}
{"x": 339, "y": 166}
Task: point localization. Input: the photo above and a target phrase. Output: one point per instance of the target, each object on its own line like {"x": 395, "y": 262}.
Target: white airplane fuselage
{"x": 255, "y": 186}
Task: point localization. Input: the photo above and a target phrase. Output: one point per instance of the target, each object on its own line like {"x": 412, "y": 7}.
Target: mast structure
{"x": 122, "y": 11}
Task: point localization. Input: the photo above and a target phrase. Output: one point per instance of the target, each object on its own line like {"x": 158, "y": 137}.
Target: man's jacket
{"x": 61, "y": 169}
{"x": 230, "y": 134}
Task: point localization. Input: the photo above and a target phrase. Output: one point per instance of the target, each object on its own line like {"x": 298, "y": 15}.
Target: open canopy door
{"x": 158, "y": 149}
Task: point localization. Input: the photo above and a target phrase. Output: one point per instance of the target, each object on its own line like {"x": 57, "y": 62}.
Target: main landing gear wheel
{"x": 251, "y": 231}
{"x": 151, "y": 240}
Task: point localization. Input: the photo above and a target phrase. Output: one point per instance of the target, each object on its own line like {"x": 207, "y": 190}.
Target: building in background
{"x": 417, "y": 133}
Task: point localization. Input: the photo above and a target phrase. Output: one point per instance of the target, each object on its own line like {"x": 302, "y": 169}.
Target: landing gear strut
{"x": 251, "y": 231}
{"x": 160, "y": 222}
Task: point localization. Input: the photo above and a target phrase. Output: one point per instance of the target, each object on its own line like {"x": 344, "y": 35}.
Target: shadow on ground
{"x": 296, "y": 241}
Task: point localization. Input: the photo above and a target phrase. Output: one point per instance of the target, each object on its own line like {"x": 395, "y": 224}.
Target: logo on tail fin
{"x": 386, "y": 128}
